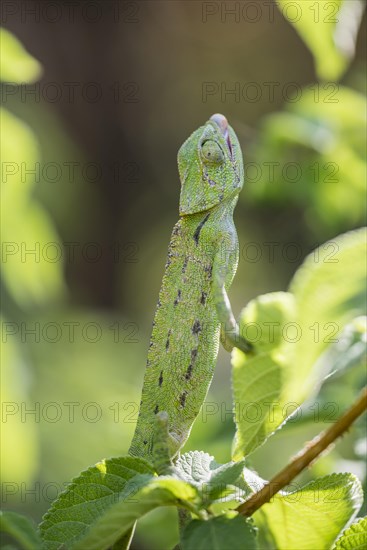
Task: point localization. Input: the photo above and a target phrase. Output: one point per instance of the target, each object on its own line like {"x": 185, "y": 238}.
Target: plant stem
{"x": 311, "y": 451}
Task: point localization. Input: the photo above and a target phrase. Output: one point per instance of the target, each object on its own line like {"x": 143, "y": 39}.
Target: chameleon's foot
{"x": 246, "y": 346}
{"x": 232, "y": 339}
{"x": 242, "y": 344}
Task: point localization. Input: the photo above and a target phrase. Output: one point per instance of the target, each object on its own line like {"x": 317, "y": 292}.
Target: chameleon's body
{"x": 193, "y": 304}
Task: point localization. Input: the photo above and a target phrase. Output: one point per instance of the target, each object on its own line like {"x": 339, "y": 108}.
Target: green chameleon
{"x": 193, "y": 311}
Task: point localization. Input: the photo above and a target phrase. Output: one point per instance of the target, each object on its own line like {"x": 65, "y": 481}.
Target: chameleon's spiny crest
{"x": 210, "y": 166}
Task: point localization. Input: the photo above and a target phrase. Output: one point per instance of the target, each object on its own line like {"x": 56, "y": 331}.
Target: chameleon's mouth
{"x": 222, "y": 123}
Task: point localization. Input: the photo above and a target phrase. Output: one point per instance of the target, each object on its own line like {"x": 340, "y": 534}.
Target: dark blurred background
{"x": 99, "y": 119}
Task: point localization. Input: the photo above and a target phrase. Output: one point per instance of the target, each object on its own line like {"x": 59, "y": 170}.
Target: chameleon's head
{"x": 210, "y": 166}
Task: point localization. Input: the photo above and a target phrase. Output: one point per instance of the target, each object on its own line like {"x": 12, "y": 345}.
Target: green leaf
{"x": 197, "y": 468}
{"x": 141, "y": 499}
{"x": 258, "y": 381}
{"x": 19, "y": 152}
{"x": 28, "y": 273}
{"x": 325, "y": 131}
{"x": 18, "y": 439}
{"x": 292, "y": 330}
{"x": 336, "y": 158}
{"x": 124, "y": 542}
{"x": 253, "y": 482}
{"x": 329, "y": 289}
{"x": 313, "y": 516}
{"x": 32, "y": 252}
{"x": 16, "y": 64}
{"x": 213, "y": 480}
{"x": 103, "y": 503}
{"x": 329, "y": 29}
{"x": 349, "y": 351}
{"x": 21, "y": 528}
{"x": 355, "y": 537}
{"x": 220, "y": 533}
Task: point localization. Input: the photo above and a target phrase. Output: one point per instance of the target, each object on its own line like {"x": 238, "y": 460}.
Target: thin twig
{"x": 312, "y": 450}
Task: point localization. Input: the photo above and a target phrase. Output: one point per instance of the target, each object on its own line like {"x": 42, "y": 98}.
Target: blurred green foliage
{"x": 25, "y": 223}
{"x": 321, "y": 147}
{"x": 322, "y": 132}
{"x": 16, "y": 64}
{"x": 337, "y": 23}
{"x": 292, "y": 331}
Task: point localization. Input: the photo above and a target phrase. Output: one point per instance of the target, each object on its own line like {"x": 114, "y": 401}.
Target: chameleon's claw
{"x": 244, "y": 345}
{"x": 232, "y": 339}
{"x": 241, "y": 343}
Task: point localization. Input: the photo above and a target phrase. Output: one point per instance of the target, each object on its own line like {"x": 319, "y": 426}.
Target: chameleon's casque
{"x": 210, "y": 166}
{"x": 193, "y": 305}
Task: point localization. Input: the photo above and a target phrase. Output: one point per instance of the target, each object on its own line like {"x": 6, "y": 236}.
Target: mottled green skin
{"x": 193, "y": 304}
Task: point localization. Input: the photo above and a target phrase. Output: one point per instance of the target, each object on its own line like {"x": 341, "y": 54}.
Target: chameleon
{"x": 193, "y": 313}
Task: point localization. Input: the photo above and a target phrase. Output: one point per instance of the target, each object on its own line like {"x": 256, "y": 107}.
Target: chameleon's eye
{"x": 211, "y": 152}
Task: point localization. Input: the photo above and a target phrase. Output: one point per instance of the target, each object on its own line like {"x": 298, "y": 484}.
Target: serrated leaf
{"x": 258, "y": 382}
{"x": 21, "y": 528}
{"x": 213, "y": 480}
{"x": 330, "y": 291}
{"x": 123, "y": 515}
{"x": 353, "y": 538}
{"x": 313, "y": 516}
{"x": 103, "y": 503}
{"x": 197, "y": 468}
{"x": 329, "y": 29}
{"x": 254, "y": 483}
{"x": 249, "y": 482}
{"x": 220, "y": 533}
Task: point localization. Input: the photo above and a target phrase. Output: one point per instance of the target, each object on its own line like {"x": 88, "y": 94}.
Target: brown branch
{"x": 312, "y": 450}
